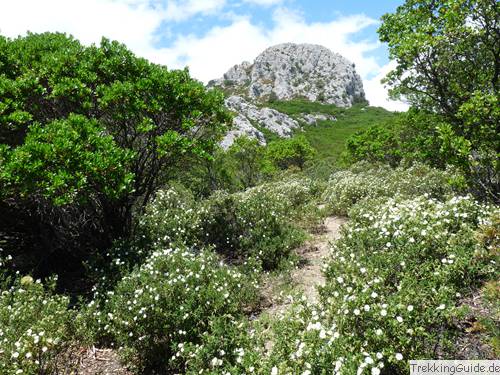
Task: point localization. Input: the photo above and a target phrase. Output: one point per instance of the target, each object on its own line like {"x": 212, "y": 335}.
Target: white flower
{"x": 441, "y": 306}
{"x": 214, "y": 361}
{"x": 375, "y": 371}
{"x": 15, "y": 355}
{"x": 378, "y": 332}
{"x": 307, "y": 372}
{"x": 399, "y": 356}
{"x": 369, "y": 360}
{"x": 410, "y": 308}
{"x": 274, "y": 371}
{"x": 399, "y": 319}
{"x": 383, "y": 312}
{"x": 374, "y": 294}
{"x": 314, "y": 326}
{"x": 356, "y": 312}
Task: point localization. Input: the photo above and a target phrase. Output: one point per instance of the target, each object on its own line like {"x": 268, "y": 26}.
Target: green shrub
{"x": 246, "y": 159}
{"x": 87, "y": 136}
{"x": 392, "y": 286}
{"x": 68, "y": 160}
{"x": 34, "y": 327}
{"x": 177, "y": 298}
{"x": 286, "y": 153}
{"x": 366, "y": 181}
{"x": 411, "y": 136}
{"x": 257, "y": 223}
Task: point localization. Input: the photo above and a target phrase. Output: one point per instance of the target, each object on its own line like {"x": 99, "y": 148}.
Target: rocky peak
{"x": 288, "y": 71}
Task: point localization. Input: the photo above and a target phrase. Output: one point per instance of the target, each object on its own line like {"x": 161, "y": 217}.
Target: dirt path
{"x": 304, "y": 279}
{"x": 308, "y": 276}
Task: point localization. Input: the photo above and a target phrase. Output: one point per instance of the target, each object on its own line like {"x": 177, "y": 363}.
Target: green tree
{"x": 412, "y": 136}
{"x": 286, "y": 153}
{"x": 247, "y": 157}
{"x": 87, "y": 134}
{"x": 239, "y": 167}
{"x": 448, "y": 62}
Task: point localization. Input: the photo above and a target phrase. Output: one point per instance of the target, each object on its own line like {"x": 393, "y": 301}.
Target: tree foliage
{"x": 412, "y": 136}
{"x": 286, "y": 153}
{"x": 448, "y": 62}
{"x": 247, "y": 159}
{"x": 446, "y": 51}
{"x": 88, "y": 134}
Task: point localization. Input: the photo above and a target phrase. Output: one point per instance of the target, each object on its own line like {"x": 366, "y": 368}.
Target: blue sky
{"x": 210, "y": 36}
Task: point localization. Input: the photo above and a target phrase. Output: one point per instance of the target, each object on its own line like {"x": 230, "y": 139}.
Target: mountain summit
{"x": 286, "y": 72}
{"x": 290, "y": 71}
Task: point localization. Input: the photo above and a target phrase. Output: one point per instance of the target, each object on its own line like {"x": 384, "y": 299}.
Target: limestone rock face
{"x": 289, "y": 71}
{"x": 242, "y": 127}
{"x": 284, "y": 72}
{"x": 313, "y": 118}
{"x": 249, "y": 117}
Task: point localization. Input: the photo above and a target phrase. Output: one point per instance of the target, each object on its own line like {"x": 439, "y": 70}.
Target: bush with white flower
{"x": 34, "y": 327}
{"x": 173, "y": 217}
{"x": 257, "y": 223}
{"x": 170, "y": 304}
{"x": 393, "y": 285}
{"x": 397, "y": 272}
{"x": 250, "y": 225}
{"x": 366, "y": 181}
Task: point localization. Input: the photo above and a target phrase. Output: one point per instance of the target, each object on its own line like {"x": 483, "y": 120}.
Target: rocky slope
{"x": 284, "y": 72}
{"x": 249, "y": 118}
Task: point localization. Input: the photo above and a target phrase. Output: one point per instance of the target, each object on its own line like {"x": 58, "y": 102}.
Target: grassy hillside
{"x": 328, "y": 137}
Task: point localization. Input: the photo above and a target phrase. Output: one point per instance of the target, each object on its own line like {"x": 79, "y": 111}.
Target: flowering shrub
{"x": 173, "y": 217}
{"x": 392, "y": 288}
{"x": 249, "y": 225}
{"x": 173, "y": 301}
{"x": 34, "y": 327}
{"x": 395, "y": 276}
{"x": 363, "y": 181}
{"x": 256, "y": 223}
{"x": 298, "y": 197}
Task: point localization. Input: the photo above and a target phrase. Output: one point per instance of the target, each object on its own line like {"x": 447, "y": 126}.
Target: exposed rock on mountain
{"x": 284, "y": 72}
{"x": 313, "y": 118}
{"x": 289, "y": 71}
{"x": 249, "y": 118}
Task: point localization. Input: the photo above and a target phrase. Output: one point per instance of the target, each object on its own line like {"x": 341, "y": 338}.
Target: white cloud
{"x": 136, "y": 23}
{"x": 132, "y": 22}
{"x": 263, "y": 2}
{"x": 377, "y": 94}
{"x": 185, "y": 9}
